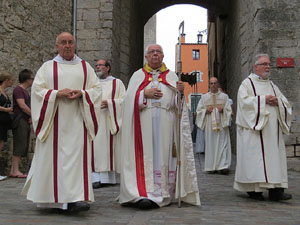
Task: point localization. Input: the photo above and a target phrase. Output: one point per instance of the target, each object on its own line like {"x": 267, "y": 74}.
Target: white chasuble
{"x": 148, "y": 137}
{"x": 261, "y": 156}
{"x": 215, "y": 126}
{"x": 61, "y": 167}
{"x": 110, "y": 120}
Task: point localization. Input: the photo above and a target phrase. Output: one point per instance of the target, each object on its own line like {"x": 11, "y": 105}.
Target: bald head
{"x": 65, "y": 45}
{"x": 213, "y": 84}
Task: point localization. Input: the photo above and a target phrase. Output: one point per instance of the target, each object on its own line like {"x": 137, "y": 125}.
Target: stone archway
{"x": 239, "y": 29}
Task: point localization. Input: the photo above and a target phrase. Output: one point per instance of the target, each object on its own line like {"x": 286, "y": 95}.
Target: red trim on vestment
{"x": 138, "y": 141}
{"x": 42, "y": 113}
{"x": 92, "y": 110}
{"x": 85, "y": 165}
{"x": 55, "y": 137}
{"x": 114, "y": 103}
{"x": 84, "y": 72}
{"x": 111, "y": 139}
{"x": 258, "y": 102}
{"x": 285, "y": 114}
{"x": 263, "y": 154}
{"x": 93, "y": 157}
{"x": 260, "y": 132}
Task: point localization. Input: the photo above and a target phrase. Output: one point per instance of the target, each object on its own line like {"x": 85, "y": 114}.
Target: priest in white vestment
{"x": 263, "y": 116}
{"x": 150, "y": 143}
{"x": 213, "y": 116}
{"x": 105, "y": 158}
{"x": 65, "y": 95}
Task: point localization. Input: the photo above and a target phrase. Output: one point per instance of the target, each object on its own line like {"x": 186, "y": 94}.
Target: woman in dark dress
{"x": 6, "y": 80}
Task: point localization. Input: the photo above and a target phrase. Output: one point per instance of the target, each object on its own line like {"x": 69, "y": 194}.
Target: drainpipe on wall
{"x": 74, "y": 18}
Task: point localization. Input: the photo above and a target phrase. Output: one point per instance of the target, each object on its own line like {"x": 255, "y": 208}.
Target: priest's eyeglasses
{"x": 153, "y": 51}
{"x": 264, "y": 64}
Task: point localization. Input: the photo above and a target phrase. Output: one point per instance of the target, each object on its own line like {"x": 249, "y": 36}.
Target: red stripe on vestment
{"x": 85, "y": 165}
{"x": 42, "y": 113}
{"x": 138, "y": 141}
{"x": 114, "y": 104}
{"x": 93, "y": 157}
{"x": 263, "y": 154}
{"x": 111, "y": 140}
{"x": 92, "y": 111}
{"x": 258, "y": 102}
{"x": 84, "y": 72}
{"x": 260, "y": 132}
{"x": 55, "y": 137}
{"x": 285, "y": 114}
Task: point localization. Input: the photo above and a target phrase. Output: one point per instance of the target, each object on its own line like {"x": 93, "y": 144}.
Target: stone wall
{"x": 28, "y": 29}
{"x": 111, "y": 30}
{"x": 272, "y": 27}
{"x": 149, "y": 33}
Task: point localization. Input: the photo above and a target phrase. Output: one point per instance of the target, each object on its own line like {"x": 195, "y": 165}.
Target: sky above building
{"x": 168, "y": 21}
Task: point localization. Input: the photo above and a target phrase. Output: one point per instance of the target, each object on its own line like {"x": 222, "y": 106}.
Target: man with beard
{"x": 105, "y": 157}
{"x": 263, "y": 115}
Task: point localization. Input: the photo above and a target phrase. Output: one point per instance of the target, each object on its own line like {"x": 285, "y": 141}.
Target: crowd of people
{"x": 91, "y": 132}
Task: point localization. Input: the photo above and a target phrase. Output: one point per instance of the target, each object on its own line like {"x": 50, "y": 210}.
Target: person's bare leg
{"x": 14, "y": 171}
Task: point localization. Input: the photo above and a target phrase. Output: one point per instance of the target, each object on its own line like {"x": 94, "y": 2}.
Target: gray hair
{"x": 258, "y": 56}
{"x": 147, "y": 48}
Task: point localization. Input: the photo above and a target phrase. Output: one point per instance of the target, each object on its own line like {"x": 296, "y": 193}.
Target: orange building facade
{"x": 194, "y": 59}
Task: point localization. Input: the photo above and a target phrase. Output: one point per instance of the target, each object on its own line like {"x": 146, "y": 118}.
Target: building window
{"x": 196, "y": 54}
{"x": 199, "y": 75}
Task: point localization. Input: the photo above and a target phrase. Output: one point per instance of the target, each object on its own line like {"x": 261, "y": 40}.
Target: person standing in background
{"x": 6, "y": 81}
{"x": 22, "y": 117}
{"x": 105, "y": 154}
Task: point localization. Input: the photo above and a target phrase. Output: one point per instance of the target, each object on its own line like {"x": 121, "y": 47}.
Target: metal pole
{"x": 179, "y": 70}
{"x": 74, "y": 18}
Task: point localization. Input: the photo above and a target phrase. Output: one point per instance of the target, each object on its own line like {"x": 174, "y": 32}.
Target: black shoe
{"x": 78, "y": 206}
{"x": 277, "y": 194}
{"x": 224, "y": 171}
{"x": 256, "y": 195}
{"x": 146, "y": 204}
{"x": 211, "y": 172}
{"x": 97, "y": 185}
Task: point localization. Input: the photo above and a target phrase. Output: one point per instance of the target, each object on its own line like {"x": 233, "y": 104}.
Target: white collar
{"x": 107, "y": 78}
{"x": 73, "y": 61}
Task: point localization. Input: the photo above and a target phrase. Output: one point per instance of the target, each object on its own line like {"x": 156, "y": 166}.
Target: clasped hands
{"x": 210, "y": 109}
{"x": 68, "y": 93}
{"x": 156, "y": 93}
{"x": 271, "y": 100}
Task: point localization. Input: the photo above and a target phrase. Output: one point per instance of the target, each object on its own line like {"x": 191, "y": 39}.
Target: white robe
{"x": 261, "y": 156}
{"x": 158, "y": 128}
{"x": 105, "y": 160}
{"x": 61, "y": 167}
{"x": 217, "y": 143}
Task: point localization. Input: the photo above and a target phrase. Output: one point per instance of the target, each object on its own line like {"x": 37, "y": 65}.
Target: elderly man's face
{"x": 262, "y": 69}
{"x": 154, "y": 56}
{"x": 66, "y": 46}
{"x": 213, "y": 85}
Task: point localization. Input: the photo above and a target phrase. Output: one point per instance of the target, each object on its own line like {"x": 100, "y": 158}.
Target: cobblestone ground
{"x": 220, "y": 205}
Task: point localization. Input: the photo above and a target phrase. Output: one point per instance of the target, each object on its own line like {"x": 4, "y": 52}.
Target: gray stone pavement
{"x": 220, "y": 205}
